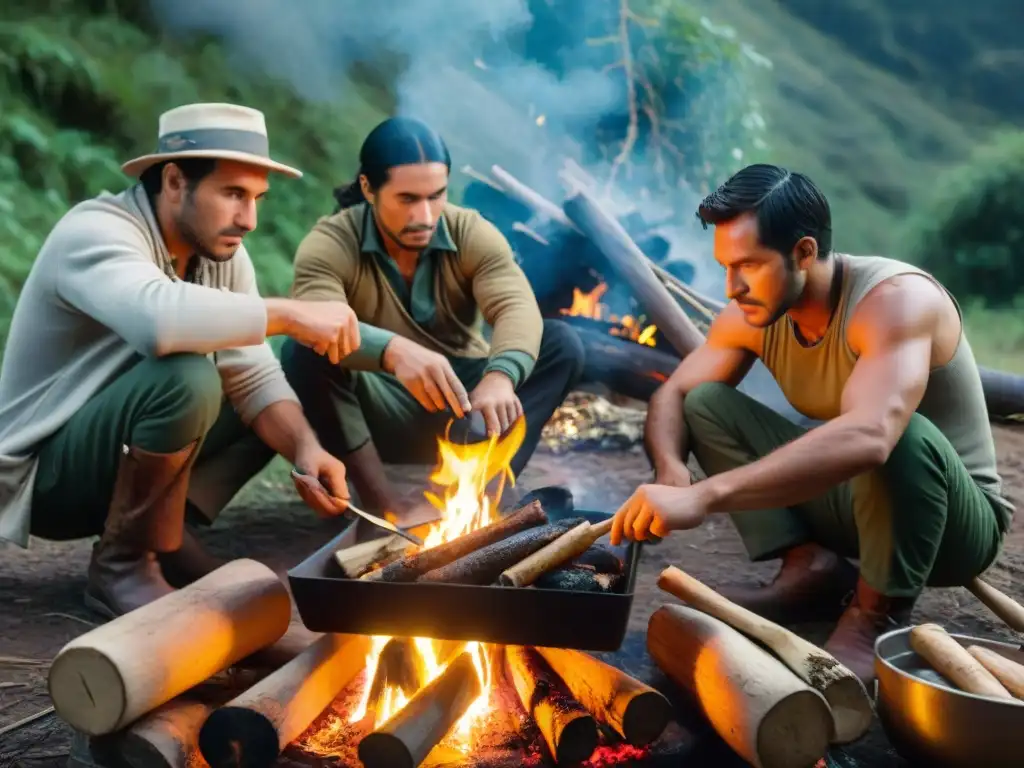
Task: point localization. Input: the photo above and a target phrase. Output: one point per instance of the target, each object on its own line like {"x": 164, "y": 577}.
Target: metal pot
{"x": 930, "y": 722}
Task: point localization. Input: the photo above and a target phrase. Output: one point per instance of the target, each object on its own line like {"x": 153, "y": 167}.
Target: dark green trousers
{"x": 160, "y": 405}
{"x": 920, "y": 520}
{"x": 349, "y": 408}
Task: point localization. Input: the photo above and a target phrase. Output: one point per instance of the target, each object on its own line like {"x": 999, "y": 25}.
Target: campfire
{"x": 588, "y": 304}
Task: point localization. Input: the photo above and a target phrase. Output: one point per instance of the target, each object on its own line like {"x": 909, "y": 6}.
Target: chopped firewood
{"x": 567, "y": 546}
{"x": 409, "y": 736}
{"x": 637, "y": 712}
{"x": 569, "y": 731}
{"x": 399, "y": 667}
{"x": 411, "y": 567}
{"x": 579, "y": 578}
{"x": 168, "y": 737}
{"x": 360, "y": 558}
{"x": 601, "y": 558}
{"x": 484, "y": 566}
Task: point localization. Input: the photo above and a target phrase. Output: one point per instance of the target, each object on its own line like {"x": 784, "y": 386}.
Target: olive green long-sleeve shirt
{"x": 466, "y": 276}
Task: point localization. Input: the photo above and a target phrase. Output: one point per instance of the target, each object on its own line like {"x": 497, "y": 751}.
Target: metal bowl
{"x": 930, "y": 722}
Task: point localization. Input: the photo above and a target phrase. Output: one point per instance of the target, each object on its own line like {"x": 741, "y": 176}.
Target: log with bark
{"x": 601, "y": 558}
{"x": 484, "y": 566}
{"x": 579, "y": 578}
{"x": 253, "y": 728}
{"x": 411, "y": 567}
{"x": 634, "y": 710}
{"x": 631, "y": 369}
{"x": 569, "y": 730}
{"x": 764, "y": 712}
{"x": 113, "y": 674}
{"x": 569, "y": 545}
{"x": 409, "y": 736}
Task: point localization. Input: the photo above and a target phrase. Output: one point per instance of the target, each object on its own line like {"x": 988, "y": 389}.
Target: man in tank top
{"x": 901, "y": 473}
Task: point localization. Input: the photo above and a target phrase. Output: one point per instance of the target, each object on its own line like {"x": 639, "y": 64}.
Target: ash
{"x": 588, "y": 422}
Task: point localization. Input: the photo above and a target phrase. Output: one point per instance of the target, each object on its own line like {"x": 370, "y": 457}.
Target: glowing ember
{"x": 463, "y": 474}
{"x": 589, "y": 305}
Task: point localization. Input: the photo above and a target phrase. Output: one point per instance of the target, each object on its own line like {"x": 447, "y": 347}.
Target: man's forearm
{"x": 284, "y": 428}
{"x": 665, "y": 429}
{"x": 799, "y": 471}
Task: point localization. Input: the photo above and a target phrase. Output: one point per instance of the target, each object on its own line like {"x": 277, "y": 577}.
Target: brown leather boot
{"x": 870, "y": 615}
{"x": 189, "y": 563}
{"x": 813, "y": 584}
{"x": 147, "y": 515}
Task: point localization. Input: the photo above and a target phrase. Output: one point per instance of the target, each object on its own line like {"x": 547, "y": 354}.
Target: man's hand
{"x": 654, "y": 510}
{"x": 330, "y": 328}
{"x": 427, "y": 375}
{"x": 673, "y": 473}
{"x": 320, "y": 481}
{"x": 495, "y": 398}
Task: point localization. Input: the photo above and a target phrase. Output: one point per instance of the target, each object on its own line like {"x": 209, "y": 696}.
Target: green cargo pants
{"x": 160, "y": 405}
{"x": 918, "y": 520}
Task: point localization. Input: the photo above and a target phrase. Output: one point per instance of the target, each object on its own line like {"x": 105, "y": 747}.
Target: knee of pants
{"x": 704, "y": 402}
{"x": 190, "y": 392}
{"x": 307, "y": 372}
{"x": 563, "y": 346}
{"x": 913, "y": 443}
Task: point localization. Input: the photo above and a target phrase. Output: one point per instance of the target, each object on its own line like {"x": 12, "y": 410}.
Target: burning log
{"x": 568, "y": 729}
{"x": 578, "y": 578}
{"x": 167, "y": 737}
{"x": 761, "y": 709}
{"x": 631, "y": 369}
{"x": 637, "y": 712}
{"x": 119, "y": 671}
{"x": 851, "y": 707}
{"x": 252, "y": 729}
{"x": 632, "y": 265}
{"x": 484, "y": 566}
{"x": 411, "y": 567}
{"x": 569, "y": 545}
{"x": 408, "y": 737}
{"x": 360, "y": 558}
{"x": 398, "y": 667}
{"x": 601, "y": 559}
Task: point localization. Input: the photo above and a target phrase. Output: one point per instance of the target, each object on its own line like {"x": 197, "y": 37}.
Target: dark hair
{"x": 788, "y": 207}
{"x": 194, "y": 169}
{"x": 396, "y": 141}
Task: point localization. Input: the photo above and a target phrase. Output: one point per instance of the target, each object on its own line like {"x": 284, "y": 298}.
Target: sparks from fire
{"x": 589, "y": 305}
{"x": 463, "y": 474}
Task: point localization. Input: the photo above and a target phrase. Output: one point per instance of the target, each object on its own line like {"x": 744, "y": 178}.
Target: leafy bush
{"x": 971, "y": 234}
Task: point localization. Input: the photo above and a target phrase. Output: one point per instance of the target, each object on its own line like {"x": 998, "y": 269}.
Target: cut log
{"x": 167, "y": 737}
{"x": 579, "y": 578}
{"x": 756, "y": 704}
{"x": 409, "y": 736}
{"x": 1002, "y": 605}
{"x": 484, "y": 566}
{"x": 358, "y": 559}
{"x": 253, "y": 728}
{"x": 602, "y": 559}
{"x": 951, "y": 660}
{"x": 630, "y": 369}
{"x": 844, "y": 691}
{"x": 413, "y": 566}
{"x": 294, "y": 641}
{"x": 632, "y": 266}
{"x": 637, "y": 712}
{"x": 401, "y": 667}
{"x": 569, "y": 731}
{"x": 113, "y": 674}
{"x": 569, "y": 545}
{"x": 1008, "y": 672}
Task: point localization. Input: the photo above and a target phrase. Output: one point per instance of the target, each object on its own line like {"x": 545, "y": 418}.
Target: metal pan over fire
{"x": 329, "y": 601}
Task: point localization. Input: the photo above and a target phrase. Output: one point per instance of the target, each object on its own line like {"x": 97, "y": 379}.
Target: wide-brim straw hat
{"x": 222, "y": 131}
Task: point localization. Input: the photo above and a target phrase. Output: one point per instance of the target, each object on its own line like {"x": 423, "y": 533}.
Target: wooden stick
{"x": 844, "y": 691}
{"x": 951, "y": 660}
{"x": 253, "y": 728}
{"x": 569, "y": 545}
{"x": 633, "y": 266}
{"x": 568, "y": 729}
{"x": 518, "y": 191}
{"x": 757, "y": 705}
{"x": 1008, "y": 672}
{"x": 637, "y": 712}
{"x": 408, "y": 737}
{"x": 1001, "y": 604}
{"x": 356, "y": 560}
{"x": 411, "y": 567}
{"x": 168, "y": 737}
{"x": 112, "y": 675}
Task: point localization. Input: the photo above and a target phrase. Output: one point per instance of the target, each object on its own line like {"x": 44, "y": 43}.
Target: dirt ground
{"x": 41, "y": 607}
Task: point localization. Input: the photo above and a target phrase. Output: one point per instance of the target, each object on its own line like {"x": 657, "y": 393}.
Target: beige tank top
{"x": 812, "y": 377}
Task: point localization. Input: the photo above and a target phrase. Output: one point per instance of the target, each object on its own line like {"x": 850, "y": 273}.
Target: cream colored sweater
{"x": 101, "y": 292}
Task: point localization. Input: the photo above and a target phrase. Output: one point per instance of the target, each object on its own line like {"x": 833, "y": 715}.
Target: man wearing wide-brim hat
{"x": 137, "y": 384}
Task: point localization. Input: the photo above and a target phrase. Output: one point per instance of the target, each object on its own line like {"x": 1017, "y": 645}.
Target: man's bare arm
{"x": 894, "y": 326}
{"x": 725, "y": 357}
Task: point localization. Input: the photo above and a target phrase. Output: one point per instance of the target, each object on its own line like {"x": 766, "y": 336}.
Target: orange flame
{"x": 589, "y": 305}
{"x": 463, "y": 474}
